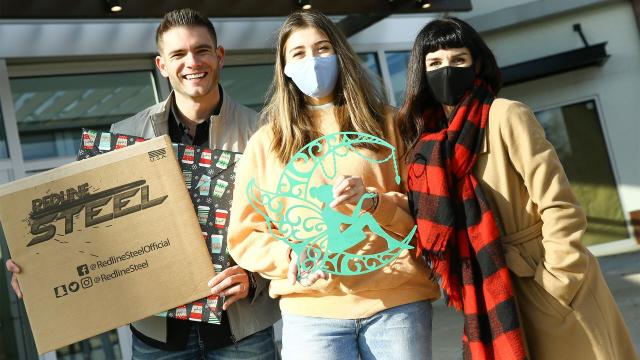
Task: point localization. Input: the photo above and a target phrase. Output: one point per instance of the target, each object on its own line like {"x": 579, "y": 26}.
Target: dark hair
{"x": 440, "y": 34}
{"x": 184, "y": 17}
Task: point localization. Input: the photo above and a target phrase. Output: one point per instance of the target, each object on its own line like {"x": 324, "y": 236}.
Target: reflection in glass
{"x": 398, "y": 61}
{"x": 575, "y": 131}
{"x": 370, "y": 61}
{"x": 248, "y": 84}
{"x": 52, "y": 110}
{"x": 101, "y": 347}
{"x": 6, "y": 175}
{"x": 552, "y": 122}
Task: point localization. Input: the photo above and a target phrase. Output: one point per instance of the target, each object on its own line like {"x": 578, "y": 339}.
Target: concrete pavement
{"x": 622, "y": 273}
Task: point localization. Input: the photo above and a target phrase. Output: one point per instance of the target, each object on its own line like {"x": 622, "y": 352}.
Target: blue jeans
{"x": 259, "y": 346}
{"x": 402, "y": 332}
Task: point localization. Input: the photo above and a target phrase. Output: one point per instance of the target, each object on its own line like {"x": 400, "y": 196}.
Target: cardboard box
{"x": 104, "y": 242}
{"x": 209, "y": 176}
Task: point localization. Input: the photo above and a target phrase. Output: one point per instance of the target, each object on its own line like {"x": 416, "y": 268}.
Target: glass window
{"x": 370, "y": 61}
{"x": 398, "y": 62}
{"x": 575, "y": 132}
{"x": 3, "y": 140}
{"x": 104, "y": 346}
{"x": 6, "y": 175}
{"x": 248, "y": 84}
{"x": 52, "y": 110}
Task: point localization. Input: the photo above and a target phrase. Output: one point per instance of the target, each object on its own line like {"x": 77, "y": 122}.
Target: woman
{"x": 320, "y": 88}
{"x": 481, "y": 166}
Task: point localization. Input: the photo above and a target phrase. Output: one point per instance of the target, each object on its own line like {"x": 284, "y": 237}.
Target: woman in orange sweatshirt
{"x": 321, "y": 88}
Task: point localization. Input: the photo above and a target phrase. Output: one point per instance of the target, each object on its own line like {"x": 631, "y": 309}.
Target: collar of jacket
{"x": 484, "y": 147}
{"x": 160, "y": 118}
{"x": 497, "y": 112}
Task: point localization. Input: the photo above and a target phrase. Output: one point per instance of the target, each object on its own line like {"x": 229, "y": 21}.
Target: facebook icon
{"x": 83, "y": 270}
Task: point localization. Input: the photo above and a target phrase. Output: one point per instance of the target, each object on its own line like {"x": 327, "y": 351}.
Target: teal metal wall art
{"x": 299, "y": 214}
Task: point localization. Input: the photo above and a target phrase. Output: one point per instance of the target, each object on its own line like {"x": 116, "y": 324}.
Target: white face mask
{"x": 315, "y": 77}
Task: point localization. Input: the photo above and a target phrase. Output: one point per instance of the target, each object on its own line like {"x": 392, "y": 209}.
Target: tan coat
{"x": 566, "y": 308}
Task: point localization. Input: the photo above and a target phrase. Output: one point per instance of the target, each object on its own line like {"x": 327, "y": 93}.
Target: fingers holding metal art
{"x": 312, "y": 259}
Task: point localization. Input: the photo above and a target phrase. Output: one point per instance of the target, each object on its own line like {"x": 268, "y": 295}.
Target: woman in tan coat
{"x": 491, "y": 198}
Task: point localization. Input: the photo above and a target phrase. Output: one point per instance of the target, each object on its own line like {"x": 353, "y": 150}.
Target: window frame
{"x": 608, "y": 144}
{"x": 59, "y": 67}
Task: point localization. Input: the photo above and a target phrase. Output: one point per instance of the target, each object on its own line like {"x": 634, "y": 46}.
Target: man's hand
{"x": 233, "y": 283}
{"x": 305, "y": 281}
{"x": 14, "y": 269}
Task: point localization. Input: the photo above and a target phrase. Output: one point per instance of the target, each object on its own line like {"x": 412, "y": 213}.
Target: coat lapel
{"x": 159, "y": 121}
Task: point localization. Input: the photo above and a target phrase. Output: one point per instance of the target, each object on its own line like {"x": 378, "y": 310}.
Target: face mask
{"x": 315, "y": 77}
{"x": 448, "y": 84}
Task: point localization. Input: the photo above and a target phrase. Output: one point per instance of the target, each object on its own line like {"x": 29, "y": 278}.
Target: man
{"x": 198, "y": 112}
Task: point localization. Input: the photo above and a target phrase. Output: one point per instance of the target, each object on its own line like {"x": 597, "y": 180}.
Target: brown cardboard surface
{"x": 120, "y": 243}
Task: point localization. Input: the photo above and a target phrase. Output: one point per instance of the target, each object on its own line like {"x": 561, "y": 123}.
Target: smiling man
{"x": 198, "y": 112}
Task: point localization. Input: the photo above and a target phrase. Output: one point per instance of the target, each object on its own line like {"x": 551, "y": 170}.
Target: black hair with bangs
{"x": 446, "y": 33}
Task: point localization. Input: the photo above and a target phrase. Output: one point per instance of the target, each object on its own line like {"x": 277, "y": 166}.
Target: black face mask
{"x": 449, "y": 83}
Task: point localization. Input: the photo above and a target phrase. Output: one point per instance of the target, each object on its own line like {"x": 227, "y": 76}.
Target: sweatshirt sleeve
{"x": 249, "y": 241}
{"x": 565, "y": 260}
{"x": 393, "y": 213}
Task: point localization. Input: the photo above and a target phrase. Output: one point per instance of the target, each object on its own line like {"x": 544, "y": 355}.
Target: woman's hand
{"x": 305, "y": 280}
{"x": 348, "y": 190}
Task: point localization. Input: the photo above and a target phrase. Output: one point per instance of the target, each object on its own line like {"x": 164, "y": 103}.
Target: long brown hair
{"x": 359, "y": 104}
{"x": 439, "y": 34}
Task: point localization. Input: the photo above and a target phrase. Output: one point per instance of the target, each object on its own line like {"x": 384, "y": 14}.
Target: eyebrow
{"x": 315, "y": 44}
{"x": 197, "y": 47}
{"x": 458, "y": 54}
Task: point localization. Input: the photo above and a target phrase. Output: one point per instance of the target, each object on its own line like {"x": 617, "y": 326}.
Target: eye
{"x": 298, "y": 54}
{"x": 433, "y": 63}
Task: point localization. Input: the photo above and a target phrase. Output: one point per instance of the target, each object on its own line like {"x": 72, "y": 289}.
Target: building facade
{"x": 57, "y": 77}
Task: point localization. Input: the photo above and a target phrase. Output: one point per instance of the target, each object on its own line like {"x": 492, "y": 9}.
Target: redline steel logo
{"x": 67, "y": 204}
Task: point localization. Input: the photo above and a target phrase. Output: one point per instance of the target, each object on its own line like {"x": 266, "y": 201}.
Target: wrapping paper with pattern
{"x": 209, "y": 175}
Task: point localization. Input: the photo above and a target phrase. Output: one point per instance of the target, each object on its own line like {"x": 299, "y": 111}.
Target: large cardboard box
{"x": 209, "y": 176}
{"x": 104, "y": 242}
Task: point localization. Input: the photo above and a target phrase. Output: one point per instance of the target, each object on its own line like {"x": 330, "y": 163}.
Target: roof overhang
{"x": 591, "y": 55}
{"x": 99, "y": 9}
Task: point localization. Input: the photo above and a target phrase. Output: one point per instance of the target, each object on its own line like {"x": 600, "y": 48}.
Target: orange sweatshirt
{"x": 402, "y": 281}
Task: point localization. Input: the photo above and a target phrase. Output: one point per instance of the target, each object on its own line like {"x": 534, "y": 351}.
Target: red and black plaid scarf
{"x": 457, "y": 231}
